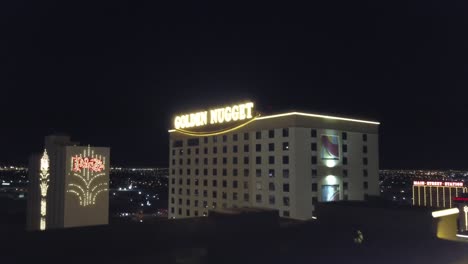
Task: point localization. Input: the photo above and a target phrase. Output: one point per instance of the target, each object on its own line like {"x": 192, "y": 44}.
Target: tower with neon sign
{"x": 68, "y": 186}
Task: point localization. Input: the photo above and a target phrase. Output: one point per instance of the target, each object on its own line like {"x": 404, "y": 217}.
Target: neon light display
{"x": 93, "y": 164}
{"x": 330, "y": 147}
{"x": 438, "y": 183}
{"x": 44, "y": 185}
{"x": 86, "y": 170}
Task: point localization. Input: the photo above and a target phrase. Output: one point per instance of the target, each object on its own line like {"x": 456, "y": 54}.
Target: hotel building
{"x": 288, "y": 161}
{"x": 68, "y": 185}
{"x": 437, "y": 193}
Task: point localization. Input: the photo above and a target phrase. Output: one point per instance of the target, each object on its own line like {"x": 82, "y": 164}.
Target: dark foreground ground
{"x": 390, "y": 235}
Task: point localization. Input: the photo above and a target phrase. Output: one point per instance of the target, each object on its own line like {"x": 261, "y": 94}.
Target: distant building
{"x": 230, "y": 157}
{"x": 436, "y": 193}
{"x": 68, "y": 185}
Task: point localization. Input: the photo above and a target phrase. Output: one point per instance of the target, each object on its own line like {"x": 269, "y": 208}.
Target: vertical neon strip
{"x": 443, "y": 195}
{"x": 419, "y": 196}
{"x": 414, "y": 198}
{"x": 430, "y": 195}
{"x": 437, "y": 188}
{"x": 465, "y": 209}
{"x": 43, "y": 186}
{"x": 450, "y": 197}
{"x": 425, "y": 204}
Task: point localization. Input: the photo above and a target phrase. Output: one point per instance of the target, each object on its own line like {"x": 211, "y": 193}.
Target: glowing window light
{"x": 85, "y": 170}
{"x": 445, "y": 212}
{"x": 44, "y": 185}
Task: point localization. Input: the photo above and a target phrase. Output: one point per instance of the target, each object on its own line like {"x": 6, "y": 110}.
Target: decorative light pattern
{"x": 44, "y": 185}
{"x": 85, "y": 170}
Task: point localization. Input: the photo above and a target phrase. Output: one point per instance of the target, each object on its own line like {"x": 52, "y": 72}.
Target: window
{"x": 246, "y": 185}
{"x": 365, "y": 173}
{"x": 234, "y": 196}
{"x": 193, "y": 142}
{"x": 286, "y": 213}
{"x": 258, "y": 160}
{"x": 173, "y": 181}
{"x": 215, "y": 172}
{"x": 180, "y": 211}
{"x": 271, "y": 199}
{"x": 234, "y": 149}
{"x": 196, "y": 213}
{"x": 224, "y": 138}
{"x": 224, "y": 195}
{"x": 285, "y": 173}
{"x": 271, "y": 160}
{"x": 205, "y": 172}
{"x": 234, "y": 184}
{"x": 344, "y": 136}
{"x": 345, "y": 186}
{"x": 271, "y": 147}
{"x": 314, "y": 173}
{"x": 205, "y": 140}
{"x": 173, "y": 171}
{"x": 205, "y": 183}
{"x": 234, "y": 172}
{"x": 173, "y": 152}
{"x": 364, "y": 137}
{"x": 314, "y": 187}
{"x": 187, "y": 202}
{"x": 172, "y": 209}
{"x": 189, "y": 151}
{"x": 246, "y": 197}
{"x": 196, "y": 182}
{"x": 345, "y": 173}
{"x": 180, "y": 201}
{"x": 246, "y": 172}
{"x": 181, "y": 182}
{"x": 258, "y": 135}
{"x": 271, "y": 186}
{"x": 258, "y": 147}
{"x": 344, "y": 148}
{"x": 196, "y": 203}
{"x": 224, "y": 184}
{"x": 187, "y": 212}
{"x": 224, "y": 149}
{"x": 246, "y": 148}
{"x": 364, "y": 161}
{"x": 285, "y": 145}
{"x": 205, "y": 193}
{"x": 366, "y": 185}
{"x": 181, "y": 161}
{"x": 173, "y": 191}
{"x": 196, "y": 161}
{"x": 224, "y": 160}
{"x": 286, "y": 201}
{"x": 364, "y": 149}
{"x": 215, "y": 139}
{"x": 173, "y": 161}
{"x": 188, "y": 181}
{"x": 234, "y": 137}
{"x": 205, "y": 161}
{"x": 177, "y": 144}
{"x": 271, "y": 133}
{"x": 258, "y": 172}
{"x": 314, "y": 200}
{"x": 181, "y": 152}
{"x": 258, "y": 198}
{"x": 215, "y": 150}
{"x": 246, "y": 136}
{"x": 205, "y": 204}
{"x": 314, "y": 160}
{"x": 271, "y": 173}
{"x": 215, "y": 183}
{"x": 180, "y": 172}
{"x": 196, "y": 192}
{"x": 197, "y": 151}
{"x": 172, "y": 200}
{"x": 345, "y": 161}
{"x": 246, "y": 160}
{"x": 285, "y": 159}
{"x": 224, "y": 172}
{"x": 234, "y": 160}
{"x": 313, "y": 133}
{"x": 215, "y": 194}
{"x": 205, "y": 150}
{"x": 215, "y": 161}
{"x": 285, "y": 132}
{"x": 286, "y": 187}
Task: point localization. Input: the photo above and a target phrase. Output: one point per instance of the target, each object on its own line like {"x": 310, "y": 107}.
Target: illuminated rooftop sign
{"x": 221, "y": 115}
{"x": 438, "y": 183}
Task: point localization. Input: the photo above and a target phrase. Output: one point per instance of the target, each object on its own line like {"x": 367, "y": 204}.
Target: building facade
{"x": 287, "y": 162}
{"x": 68, "y": 185}
{"x": 439, "y": 194}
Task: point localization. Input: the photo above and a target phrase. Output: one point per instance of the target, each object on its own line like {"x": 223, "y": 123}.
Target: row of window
{"x": 365, "y": 185}
{"x": 258, "y": 135}
{"x": 235, "y": 149}
{"x": 258, "y": 199}
{"x": 234, "y": 184}
{"x": 235, "y": 160}
{"x": 235, "y": 172}
{"x": 195, "y": 212}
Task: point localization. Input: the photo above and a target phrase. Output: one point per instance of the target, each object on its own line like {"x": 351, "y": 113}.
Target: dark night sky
{"x": 113, "y": 73}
